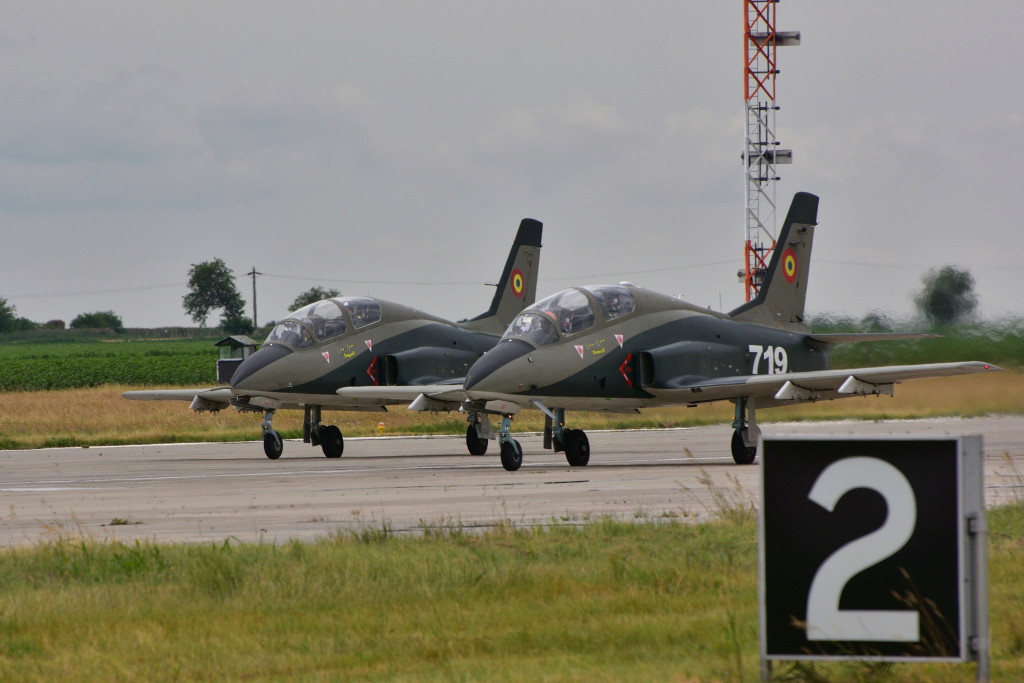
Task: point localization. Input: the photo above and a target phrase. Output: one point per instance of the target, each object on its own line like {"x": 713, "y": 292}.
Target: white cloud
{"x": 361, "y": 140}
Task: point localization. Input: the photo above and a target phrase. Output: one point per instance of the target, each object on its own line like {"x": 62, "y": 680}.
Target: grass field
{"x": 62, "y": 388}
{"x": 609, "y": 601}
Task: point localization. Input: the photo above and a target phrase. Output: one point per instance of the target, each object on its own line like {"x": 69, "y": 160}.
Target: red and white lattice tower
{"x": 761, "y": 154}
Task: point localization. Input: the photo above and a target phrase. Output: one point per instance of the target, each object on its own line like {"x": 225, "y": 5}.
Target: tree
{"x": 98, "y": 320}
{"x": 211, "y": 285}
{"x": 948, "y": 295}
{"x": 876, "y": 321}
{"x": 313, "y": 295}
{"x": 9, "y": 320}
{"x": 238, "y": 324}
{"x": 8, "y": 314}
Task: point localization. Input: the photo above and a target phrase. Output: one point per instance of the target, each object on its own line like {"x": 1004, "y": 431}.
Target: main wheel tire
{"x": 474, "y": 443}
{"x": 577, "y": 448}
{"x": 741, "y": 453}
{"x": 273, "y": 445}
{"x": 331, "y": 441}
{"x": 511, "y": 455}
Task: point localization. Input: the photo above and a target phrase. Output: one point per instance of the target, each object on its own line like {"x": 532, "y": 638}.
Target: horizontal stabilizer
{"x": 850, "y": 337}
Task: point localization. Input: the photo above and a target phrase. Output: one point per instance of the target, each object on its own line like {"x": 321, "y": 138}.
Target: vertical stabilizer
{"x": 517, "y": 287}
{"x": 780, "y": 303}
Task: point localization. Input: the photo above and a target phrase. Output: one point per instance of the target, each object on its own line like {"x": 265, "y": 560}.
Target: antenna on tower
{"x": 761, "y": 152}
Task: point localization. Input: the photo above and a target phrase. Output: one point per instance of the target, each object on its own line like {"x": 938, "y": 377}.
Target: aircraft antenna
{"x": 761, "y": 152}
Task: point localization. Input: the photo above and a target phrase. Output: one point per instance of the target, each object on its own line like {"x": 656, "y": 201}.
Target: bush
{"x": 99, "y": 320}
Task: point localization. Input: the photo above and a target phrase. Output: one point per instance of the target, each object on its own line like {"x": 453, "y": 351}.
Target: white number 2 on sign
{"x": 825, "y": 621}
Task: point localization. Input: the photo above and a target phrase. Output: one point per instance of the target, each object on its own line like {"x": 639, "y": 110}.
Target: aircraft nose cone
{"x": 256, "y": 362}
{"x": 501, "y": 355}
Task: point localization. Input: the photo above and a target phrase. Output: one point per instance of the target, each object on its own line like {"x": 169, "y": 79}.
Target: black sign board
{"x": 866, "y": 548}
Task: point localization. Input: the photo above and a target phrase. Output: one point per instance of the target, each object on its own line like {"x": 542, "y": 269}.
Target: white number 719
{"x": 777, "y": 360}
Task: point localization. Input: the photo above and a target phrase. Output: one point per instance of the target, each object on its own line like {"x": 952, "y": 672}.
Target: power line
{"x": 616, "y": 274}
{"x": 43, "y": 295}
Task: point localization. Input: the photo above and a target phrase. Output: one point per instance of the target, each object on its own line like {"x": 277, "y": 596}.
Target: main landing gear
{"x": 477, "y": 434}
{"x": 314, "y": 432}
{"x": 573, "y": 442}
{"x": 746, "y": 432}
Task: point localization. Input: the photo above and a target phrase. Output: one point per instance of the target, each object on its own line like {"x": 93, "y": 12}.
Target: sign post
{"x": 873, "y": 549}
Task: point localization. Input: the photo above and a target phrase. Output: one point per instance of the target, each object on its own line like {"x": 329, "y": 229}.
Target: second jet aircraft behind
{"x": 366, "y": 342}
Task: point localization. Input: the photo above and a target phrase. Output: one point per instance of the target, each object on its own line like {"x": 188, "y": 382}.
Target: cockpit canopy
{"x": 324, "y": 320}
{"x": 570, "y": 312}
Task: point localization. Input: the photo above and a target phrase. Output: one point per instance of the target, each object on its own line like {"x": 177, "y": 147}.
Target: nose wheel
{"x": 511, "y": 451}
{"x": 273, "y": 445}
{"x": 511, "y": 455}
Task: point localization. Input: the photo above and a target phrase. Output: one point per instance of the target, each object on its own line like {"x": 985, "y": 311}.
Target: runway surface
{"x": 212, "y": 492}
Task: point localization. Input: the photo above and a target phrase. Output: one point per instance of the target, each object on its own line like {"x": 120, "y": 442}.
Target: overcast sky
{"x": 391, "y": 148}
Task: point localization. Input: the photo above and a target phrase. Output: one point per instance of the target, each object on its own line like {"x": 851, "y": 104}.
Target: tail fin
{"x": 517, "y": 287}
{"x": 780, "y": 303}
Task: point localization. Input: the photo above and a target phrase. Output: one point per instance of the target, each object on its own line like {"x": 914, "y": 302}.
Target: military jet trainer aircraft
{"x": 363, "y": 341}
{"x": 622, "y": 347}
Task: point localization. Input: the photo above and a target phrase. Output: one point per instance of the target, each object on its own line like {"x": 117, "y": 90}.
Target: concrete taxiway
{"x": 211, "y": 492}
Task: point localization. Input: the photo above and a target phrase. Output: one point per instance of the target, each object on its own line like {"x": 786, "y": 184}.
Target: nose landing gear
{"x": 273, "y": 445}
{"x": 511, "y": 451}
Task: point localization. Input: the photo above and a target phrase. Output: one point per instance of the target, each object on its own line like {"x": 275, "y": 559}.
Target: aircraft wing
{"x": 769, "y": 390}
{"x": 420, "y": 397}
{"x": 220, "y": 397}
{"x": 797, "y": 387}
{"x": 213, "y": 399}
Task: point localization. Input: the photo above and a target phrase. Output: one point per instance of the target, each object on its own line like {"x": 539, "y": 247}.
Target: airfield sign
{"x": 873, "y": 549}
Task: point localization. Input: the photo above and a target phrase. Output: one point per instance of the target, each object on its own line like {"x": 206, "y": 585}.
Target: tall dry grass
{"x": 607, "y": 601}
{"x": 99, "y": 416}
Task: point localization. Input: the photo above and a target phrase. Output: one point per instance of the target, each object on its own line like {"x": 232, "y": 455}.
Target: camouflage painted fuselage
{"x": 664, "y": 343}
{"x": 405, "y": 346}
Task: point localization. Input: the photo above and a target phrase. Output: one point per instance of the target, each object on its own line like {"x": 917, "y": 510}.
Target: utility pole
{"x": 254, "y": 273}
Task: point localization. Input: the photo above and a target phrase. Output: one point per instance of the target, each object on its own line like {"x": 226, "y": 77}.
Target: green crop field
{"x": 72, "y": 360}
{"x": 48, "y": 365}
